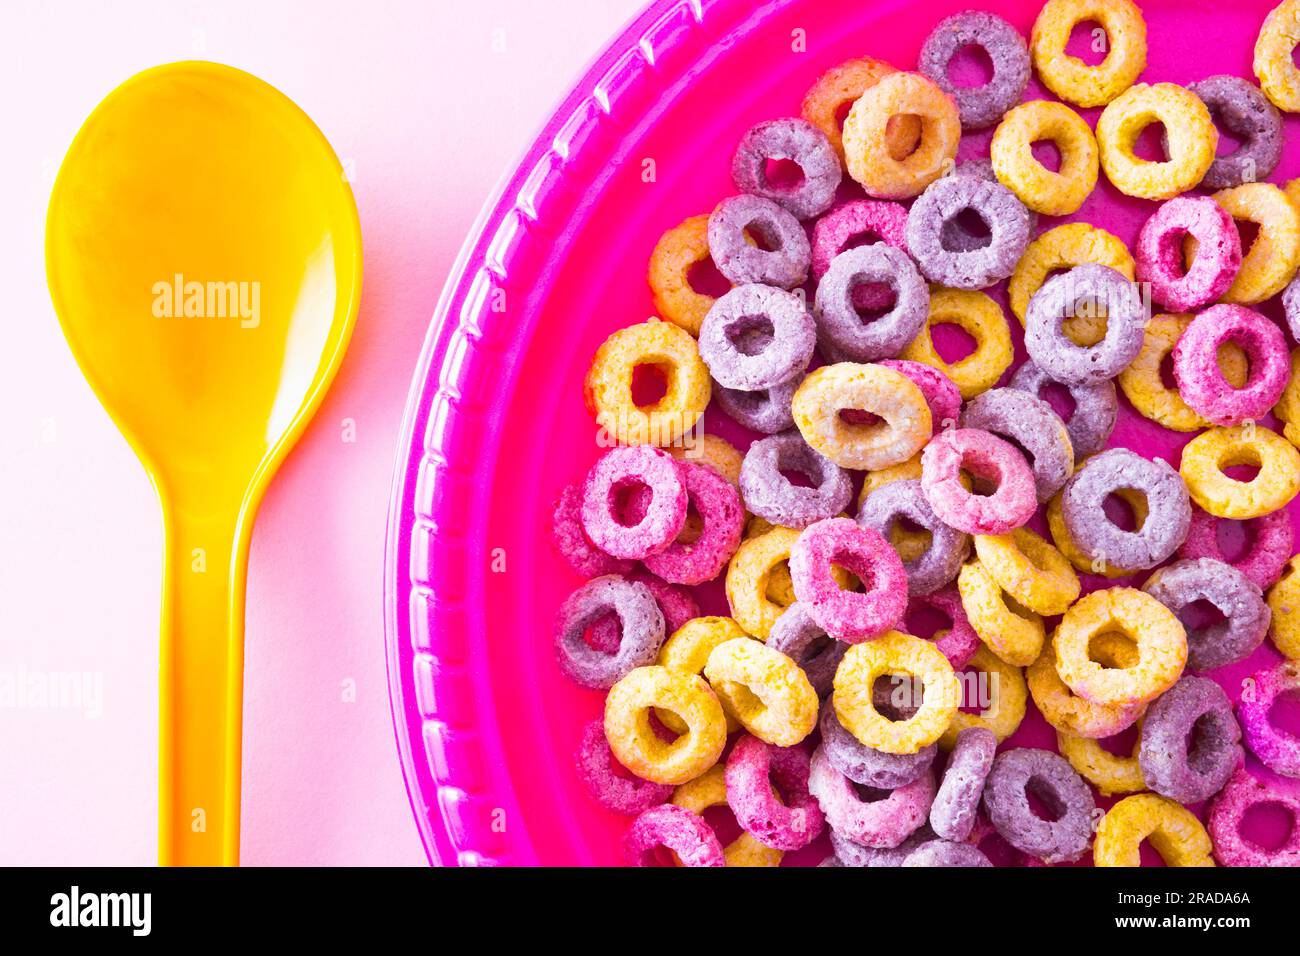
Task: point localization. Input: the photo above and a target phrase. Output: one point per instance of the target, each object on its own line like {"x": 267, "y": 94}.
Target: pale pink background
{"x": 427, "y": 103}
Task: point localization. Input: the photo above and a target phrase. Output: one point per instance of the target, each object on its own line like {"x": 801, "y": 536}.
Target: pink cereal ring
{"x": 849, "y": 616}
{"x": 1160, "y": 258}
{"x": 940, "y": 393}
{"x": 618, "y": 479}
{"x": 674, "y": 601}
{"x": 882, "y": 824}
{"x": 614, "y": 791}
{"x": 752, "y": 768}
{"x": 1275, "y": 748}
{"x": 1201, "y": 381}
{"x": 986, "y": 456}
{"x": 572, "y": 542}
{"x": 722, "y": 516}
{"x": 960, "y": 641}
{"x": 833, "y": 233}
{"x": 674, "y": 828}
{"x": 1269, "y": 551}
{"x": 1239, "y": 794}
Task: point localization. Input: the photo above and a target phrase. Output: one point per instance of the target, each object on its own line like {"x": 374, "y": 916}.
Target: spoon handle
{"x": 200, "y": 705}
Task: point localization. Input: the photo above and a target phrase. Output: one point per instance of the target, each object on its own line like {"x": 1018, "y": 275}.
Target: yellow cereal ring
{"x": 633, "y": 740}
{"x": 1278, "y": 76}
{"x": 1062, "y": 248}
{"x": 1014, "y": 636}
{"x": 1287, "y": 408}
{"x": 1207, "y": 455}
{"x": 1027, "y": 567}
{"x": 1061, "y": 534}
{"x": 688, "y": 650}
{"x": 867, "y": 152}
{"x": 712, "y": 450}
{"x": 1109, "y": 773}
{"x": 1271, "y": 261}
{"x": 710, "y": 790}
{"x": 749, "y": 580}
{"x": 1069, "y": 77}
{"x": 1171, "y": 828}
{"x": 1143, "y": 384}
{"x": 903, "y": 431}
{"x": 1159, "y": 635}
{"x": 1056, "y": 193}
{"x": 1067, "y": 712}
{"x": 838, "y": 88}
{"x": 896, "y": 654}
{"x": 981, "y": 318}
{"x": 1190, "y": 141}
{"x": 763, "y": 689}
{"x": 1284, "y": 602}
{"x": 608, "y": 388}
{"x": 1006, "y": 698}
{"x": 679, "y": 250}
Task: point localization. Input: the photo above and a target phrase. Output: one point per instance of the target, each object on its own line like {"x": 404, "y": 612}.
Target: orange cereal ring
{"x": 1190, "y": 140}
{"x": 763, "y": 689}
{"x": 1169, "y": 827}
{"x": 904, "y": 425}
{"x": 1069, "y": 77}
{"x": 1053, "y": 193}
{"x": 1071, "y": 714}
{"x": 679, "y": 250}
{"x": 867, "y": 142}
{"x": 633, "y": 740}
{"x": 827, "y": 101}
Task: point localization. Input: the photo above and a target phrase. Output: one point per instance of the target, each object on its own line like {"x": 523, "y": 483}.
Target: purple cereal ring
{"x": 865, "y": 766}
{"x": 956, "y": 234}
{"x": 1190, "y": 743}
{"x": 849, "y": 616}
{"x": 1228, "y": 813}
{"x": 1031, "y": 423}
{"x": 848, "y": 853}
{"x": 624, "y": 471}
{"x": 641, "y": 625}
{"x": 851, "y": 222}
{"x": 1089, "y": 289}
{"x": 722, "y": 520}
{"x": 756, "y": 336}
{"x": 948, "y": 550}
{"x": 1100, "y": 539}
{"x": 1017, "y": 774}
{"x": 952, "y": 815}
{"x": 796, "y": 635}
{"x": 765, "y": 410}
{"x": 1291, "y": 306}
{"x": 675, "y": 828}
{"x": 1160, "y": 256}
{"x": 1096, "y": 407}
{"x": 960, "y": 641}
{"x": 979, "y": 106}
{"x": 1269, "y": 551}
{"x": 986, "y": 456}
{"x": 804, "y": 145}
{"x": 840, "y": 327}
{"x": 770, "y": 494}
{"x": 783, "y": 263}
{"x": 673, "y": 601}
{"x": 1241, "y": 108}
{"x": 943, "y": 202}
{"x": 946, "y": 853}
{"x": 943, "y": 397}
{"x": 1276, "y": 749}
{"x": 572, "y": 542}
{"x": 790, "y": 823}
{"x": 1245, "y": 615}
{"x": 619, "y": 793}
{"x": 1201, "y": 381}
{"x": 880, "y": 823}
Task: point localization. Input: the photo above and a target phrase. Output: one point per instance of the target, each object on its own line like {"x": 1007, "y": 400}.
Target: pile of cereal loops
{"x": 811, "y": 708}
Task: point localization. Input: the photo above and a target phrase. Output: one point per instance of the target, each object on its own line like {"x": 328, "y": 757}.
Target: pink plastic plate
{"x": 495, "y": 425}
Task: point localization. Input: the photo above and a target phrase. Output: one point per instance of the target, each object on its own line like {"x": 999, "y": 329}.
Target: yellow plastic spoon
{"x": 203, "y": 252}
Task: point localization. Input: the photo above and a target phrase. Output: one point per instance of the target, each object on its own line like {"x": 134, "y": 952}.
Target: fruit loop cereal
{"x": 867, "y": 142}
{"x": 796, "y": 635}
{"x": 639, "y": 468}
{"x": 686, "y": 834}
{"x": 1050, "y": 192}
{"x": 1228, "y": 812}
{"x": 1273, "y": 61}
{"x": 688, "y": 650}
{"x": 765, "y": 410}
{"x": 1090, "y": 290}
{"x": 785, "y": 824}
{"x": 771, "y": 495}
{"x": 958, "y": 642}
{"x": 1245, "y": 615}
{"x": 896, "y": 654}
{"x": 803, "y": 144}
{"x": 1145, "y": 388}
{"x": 1161, "y": 258}
{"x": 1027, "y": 420}
{"x": 1074, "y": 244}
{"x": 722, "y": 518}
{"x": 979, "y": 106}
{"x": 941, "y": 395}
{"x": 838, "y": 323}
{"x": 1049, "y": 777}
{"x": 850, "y": 222}
{"x": 1172, "y": 830}
{"x": 883, "y": 392}
{"x": 633, "y": 740}
{"x": 1003, "y": 686}
{"x": 1012, "y": 500}
{"x": 676, "y": 253}
{"x": 881, "y": 823}
{"x": 865, "y": 765}
{"x": 849, "y": 616}
{"x": 937, "y": 565}
{"x": 979, "y": 317}
{"x": 942, "y": 202}
{"x": 1190, "y": 742}
{"x": 1207, "y": 455}
{"x": 715, "y": 452}
{"x": 1190, "y": 140}
{"x": 1071, "y": 714}
{"x": 1029, "y": 569}
{"x": 1069, "y": 77}
{"x": 1272, "y": 542}
{"x": 952, "y": 815}
{"x": 764, "y": 690}
{"x": 1270, "y": 262}
{"x": 757, "y": 337}
{"x": 1200, "y": 380}
{"x": 1161, "y": 647}
{"x": 616, "y": 792}
{"x": 784, "y": 263}
{"x": 640, "y": 622}
{"x": 956, "y": 235}
{"x": 1238, "y": 106}
{"x": 674, "y": 601}
{"x": 749, "y": 575}
{"x": 1276, "y": 749}
{"x": 1284, "y": 602}
{"x": 839, "y": 88}
{"x": 1092, "y": 419}
{"x": 1066, "y": 545}
{"x": 1013, "y": 634}
{"x": 710, "y": 790}
{"x": 1110, "y": 773}
{"x": 572, "y": 542}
